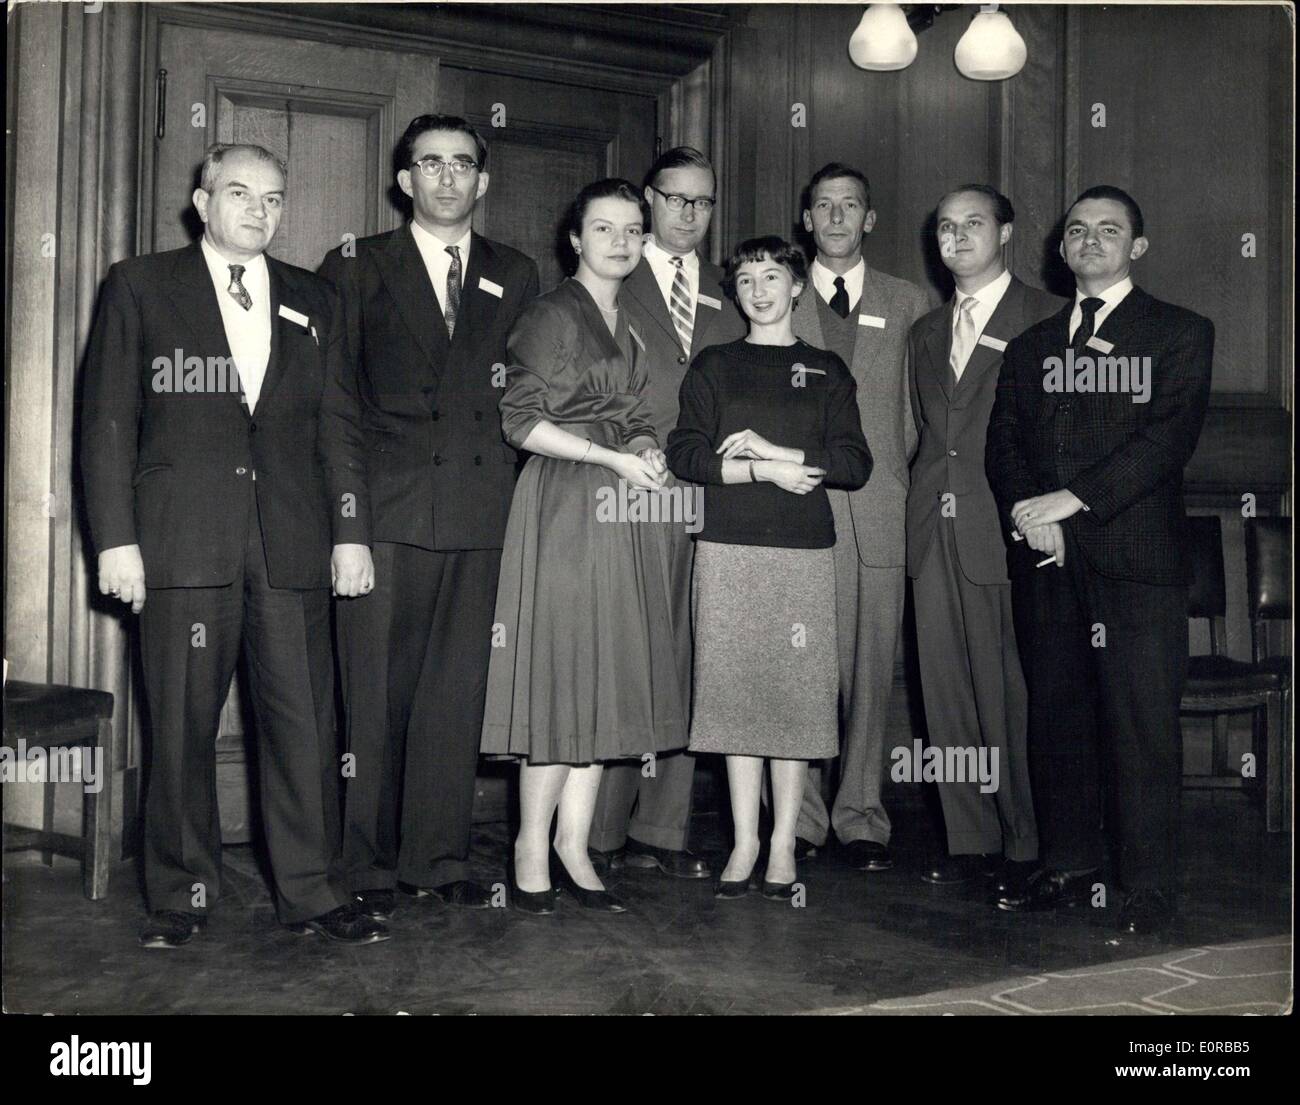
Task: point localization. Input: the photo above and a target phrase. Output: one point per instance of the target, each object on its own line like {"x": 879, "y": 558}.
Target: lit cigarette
{"x": 1050, "y": 560}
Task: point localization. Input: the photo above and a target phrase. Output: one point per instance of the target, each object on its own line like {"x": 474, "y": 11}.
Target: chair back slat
{"x": 1206, "y": 593}
{"x": 1268, "y": 575}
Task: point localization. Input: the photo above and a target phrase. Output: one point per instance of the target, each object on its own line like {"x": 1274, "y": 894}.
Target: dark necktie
{"x": 453, "y": 290}
{"x": 1089, "y": 307}
{"x": 840, "y": 300}
{"x": 237, "y": 290}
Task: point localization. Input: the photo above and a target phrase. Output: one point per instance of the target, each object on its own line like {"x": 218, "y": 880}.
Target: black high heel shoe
{"x": 778, "y": 891}
{"x": 600, "y": 900}
{"x": 736, "y": 888}
{"x": 537, "y": 902}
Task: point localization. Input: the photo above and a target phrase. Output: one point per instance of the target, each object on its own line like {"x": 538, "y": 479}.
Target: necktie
{"x": 1090, "y": 307}
{"x": 681, "y": 307}
{"x": 963, "y": 336}
{"x": 840, "y": 300}
{"x": 452, "y": 308}
{"x": 237, "y": 290}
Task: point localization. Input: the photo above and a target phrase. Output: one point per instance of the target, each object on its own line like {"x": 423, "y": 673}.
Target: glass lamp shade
{"x": 883, "y": 40}
{"x": 991, "y": 49}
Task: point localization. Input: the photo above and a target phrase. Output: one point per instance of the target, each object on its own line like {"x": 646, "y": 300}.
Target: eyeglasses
{"x": 432, "y": 167}
{"x": 702, "y": 204}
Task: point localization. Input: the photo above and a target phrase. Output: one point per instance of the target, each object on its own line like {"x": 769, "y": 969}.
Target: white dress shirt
{"x": 247, "y": 332}
{"x": 824, "y": 281}
{"x": 1111, "y": 298}
{"x": 437, "y": 261}
{"x": 986, "y": 302}
{"x": 662, "y": 265}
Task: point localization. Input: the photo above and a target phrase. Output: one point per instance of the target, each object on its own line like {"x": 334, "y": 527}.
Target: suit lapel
{"x": 1006, "y": 322}
{"x": 866, "y": 342}
{"x": 938, "y": 348}
{"x": 804, "y": 320}
{"x": 195, "y": 299}
{"x": 706, "y": 317}
{"x": 477, "y": 306}
{"x": 1116, "y": 326}
{"x": 642, "y": 286}
{"x": 403, "y": 271}
{"x": 1057, "y": 341}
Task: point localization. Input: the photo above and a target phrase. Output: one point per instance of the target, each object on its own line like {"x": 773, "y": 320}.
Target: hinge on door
{"x": 160, "y": 109}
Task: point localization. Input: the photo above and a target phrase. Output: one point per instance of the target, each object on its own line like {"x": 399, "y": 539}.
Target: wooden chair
{"x": 1219, "y": 685}
{"x": 56, "y": 717}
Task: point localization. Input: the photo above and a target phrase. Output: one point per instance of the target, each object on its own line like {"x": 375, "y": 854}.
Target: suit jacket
{"x": 169, "y": 469}
{"x": 953, "y": 418}
{"x": 880, "y": 369}
{"x": 439, "y": 472}
{"x": 717, "y": 321}
{"x": 1123, "y": 459}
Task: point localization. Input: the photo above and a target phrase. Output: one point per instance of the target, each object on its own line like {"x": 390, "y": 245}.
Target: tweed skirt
{"x": 766, "y": 660}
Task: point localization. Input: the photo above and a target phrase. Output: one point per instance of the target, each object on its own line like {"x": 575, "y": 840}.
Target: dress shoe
{"x": 462, "y": 892}
{"x": 346, "y": 924}
{"x": 727, "y": 889}
{"x": 537, "y": 902}
{"x": 778, "y": 891}
{"x": 1010, "y": 878}
{"x": 681, "y": 864}
{"x": 602, "y": 901}
{"x": 1145, "y": 913}
{"x": 950, "y": 870}
{"x": 1047, "y": 889}
{"x": 605, "y": 862}
{"x": 804, "y": 849}
{"x": 868, "y": 855}
{"x": 378, "y": 905}
{"x": 170, "y": 928}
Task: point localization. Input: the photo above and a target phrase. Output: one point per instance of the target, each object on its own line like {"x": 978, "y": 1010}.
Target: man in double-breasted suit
{"x": 864, "y": 315}
{"x": 674, "y": 298}
{"x": 957, "y": 557}
{"x": 224, "y": 472}
{"x": 426, "y": 308}
{"x": 1098, "y": 411}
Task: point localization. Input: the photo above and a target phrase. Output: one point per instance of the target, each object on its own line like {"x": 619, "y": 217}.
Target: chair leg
{"x": 98, "y": 856}
{"x": 1219, "y": 764}
{"x": 1274, "y": 763}
{"x": 47, "y": 820}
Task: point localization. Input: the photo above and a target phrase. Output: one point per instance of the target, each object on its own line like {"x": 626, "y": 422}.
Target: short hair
{"x": 835, "y": 170}
{"x": 609, "y": 188}
{"x": 1003, "y": 212}
{"x": 423, "y": 124}
{"x": 1110, "y": 192}
{"x": 679, "y": 157}
{"x": 769, "y": 246}
{"x": 215, "y": 154}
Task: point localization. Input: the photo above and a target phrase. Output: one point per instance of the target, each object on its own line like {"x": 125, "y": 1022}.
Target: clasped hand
{"x": 647, "y": 470}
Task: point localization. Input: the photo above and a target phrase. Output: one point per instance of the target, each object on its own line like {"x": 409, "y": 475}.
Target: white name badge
{"x": 709, "y": 301}
{"x": 486, "y": 285}
{"x": 992, "y": 342}
{"x": 636, "y": 337}
{"x": 292, "y": 315}
{"x": 871, "y": 320}
{"x": 1099, "y": 344}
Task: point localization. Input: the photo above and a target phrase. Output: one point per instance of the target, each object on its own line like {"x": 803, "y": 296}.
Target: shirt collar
{"x": 657, "y": 255}
{"x": 991, "y": 294}
{"x": 255, "y": 271}
{"x": 824, "y": 280}
{"x": 433, "y": 245}
{"x": 1111, "y": 297}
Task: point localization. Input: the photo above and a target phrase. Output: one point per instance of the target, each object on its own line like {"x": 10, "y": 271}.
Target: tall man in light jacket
{"x": 865, "y": 316}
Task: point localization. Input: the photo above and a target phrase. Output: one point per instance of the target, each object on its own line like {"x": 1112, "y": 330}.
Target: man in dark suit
{"x": 1098, "y": 411}
{"x": 224, "y": 470}
{"x": 956, "y": 555}
{"x": 675, "y": 302}
{"x": 865, "y": 316}
{"x": 427, "y": 309}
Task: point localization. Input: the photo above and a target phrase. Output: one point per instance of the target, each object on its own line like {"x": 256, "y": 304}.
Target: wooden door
{"x": 334, "y": 113}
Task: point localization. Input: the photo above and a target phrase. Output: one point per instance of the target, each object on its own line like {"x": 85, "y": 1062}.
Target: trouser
{"x": 975, "y": 700}
{"x": 414, "y": 657}
{"x": 191, "y": 640}
{"x": 1106, "y": 663}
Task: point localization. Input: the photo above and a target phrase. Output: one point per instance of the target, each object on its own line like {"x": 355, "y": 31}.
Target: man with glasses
{"x": 427, "y": 310}
{"x": 675, "y": 304}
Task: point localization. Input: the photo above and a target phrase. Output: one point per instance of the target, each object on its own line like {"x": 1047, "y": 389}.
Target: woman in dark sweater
{"x": 763, "y": 603}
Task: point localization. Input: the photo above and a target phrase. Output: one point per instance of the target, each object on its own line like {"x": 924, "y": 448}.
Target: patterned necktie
{"x": 1090, "y": 307}
{"x": 963, "y": 336}
{"x": 237, "y": 290}
{"x": 681, "y": 307}
{"x": 840, "y": 300}
{"x": 453, "y": 291}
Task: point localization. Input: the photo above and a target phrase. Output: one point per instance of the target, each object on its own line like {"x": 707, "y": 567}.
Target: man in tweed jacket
{"x": 1098, "y": 411}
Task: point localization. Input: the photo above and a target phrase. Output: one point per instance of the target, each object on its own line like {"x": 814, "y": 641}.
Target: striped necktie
{"x": 453, "y": 291}
{"x": 681, "y": 307}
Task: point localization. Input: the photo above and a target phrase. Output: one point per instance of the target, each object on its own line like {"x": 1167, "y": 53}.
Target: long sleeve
{"x": 1005, "y": 463}
{"x": 690, "y": 451}
{"x": 341, "y": 439}
{"x": 541, "y": 345}
{"x": 111, "y": 405}
{"x": 845, "y": 455}
{"x": 1161, "y": 447}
